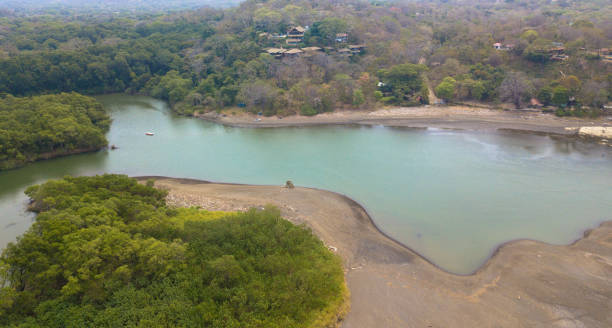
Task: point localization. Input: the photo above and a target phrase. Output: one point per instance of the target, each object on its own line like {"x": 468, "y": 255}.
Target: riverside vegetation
{"x": 557, "y": 52}
{"x": 48, "y": 126}
{"x": 106, "y": 251}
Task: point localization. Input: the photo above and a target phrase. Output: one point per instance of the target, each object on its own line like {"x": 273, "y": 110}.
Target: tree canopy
{"x": 47, "y": 126}
{"x": 106, "y": 251}
{"x": 209, "y": 59}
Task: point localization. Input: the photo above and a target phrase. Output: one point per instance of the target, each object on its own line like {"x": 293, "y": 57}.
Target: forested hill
{"x": 49, "y": 126}
{"x": 311, "y": 56}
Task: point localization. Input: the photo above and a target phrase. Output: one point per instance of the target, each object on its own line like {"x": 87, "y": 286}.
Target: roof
{"x": 497, "y": 44}
{"x": 293, "y": 52}
{"x": 312, "y": 49}
{"x": 535, "y": 102}
{"x": 298, "y": 28}
{"x": 276, "y": 51}
{"x": 356, "y": 46}
{"x": 344, "y": 50}
{"x": 294, "y": 40}
{"x": 339, "y": 35}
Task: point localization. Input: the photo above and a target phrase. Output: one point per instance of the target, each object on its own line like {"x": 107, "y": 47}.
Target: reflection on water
{"x": 453, "y": 196}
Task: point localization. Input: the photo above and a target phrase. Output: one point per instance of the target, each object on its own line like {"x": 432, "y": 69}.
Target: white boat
{"x": 149, "y": 133}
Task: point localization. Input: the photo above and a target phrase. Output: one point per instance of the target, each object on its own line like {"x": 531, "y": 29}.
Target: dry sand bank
{"x": 525, "y": 283}
{"x": 448, "y": 117}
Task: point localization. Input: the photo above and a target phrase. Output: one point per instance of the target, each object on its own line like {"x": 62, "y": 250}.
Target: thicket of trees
{"x": 210, "y": 59}
{"x": 106, "y": 251}
{"x": 48, "y": 126}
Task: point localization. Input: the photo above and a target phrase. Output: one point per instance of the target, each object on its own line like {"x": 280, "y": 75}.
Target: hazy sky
{"x": 115, "y": 4}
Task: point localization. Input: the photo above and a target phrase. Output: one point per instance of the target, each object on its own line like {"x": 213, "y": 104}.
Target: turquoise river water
{"x": 452, "y": 196}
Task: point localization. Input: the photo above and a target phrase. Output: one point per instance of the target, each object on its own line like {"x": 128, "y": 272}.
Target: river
{"x": 452, "y": 196}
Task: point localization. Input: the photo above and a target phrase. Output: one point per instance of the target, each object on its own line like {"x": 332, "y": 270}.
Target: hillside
{"x": 312, "y": 56}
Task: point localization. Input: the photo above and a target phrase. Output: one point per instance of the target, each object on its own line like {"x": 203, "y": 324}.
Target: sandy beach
{"x": 524, "y": 284}
{"x": 444, "y": 117}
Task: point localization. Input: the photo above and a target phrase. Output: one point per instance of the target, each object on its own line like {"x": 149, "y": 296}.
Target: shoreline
{"x": 523, "y": 283}
{"x": 442, "y": 117}
{"x": 494, "y": 251}
{"x": 53, "y": 155}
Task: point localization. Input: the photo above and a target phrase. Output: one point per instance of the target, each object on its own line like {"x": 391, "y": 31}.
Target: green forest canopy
{"x": 106, "y": 251}
{"x": 210, "y": 59}
{"x": 50, "y": 125}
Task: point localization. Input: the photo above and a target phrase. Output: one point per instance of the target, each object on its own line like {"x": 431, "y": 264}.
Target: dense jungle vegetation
{"x": 557, "y": 52}
{"x": 106, "y": 251}
{"x": 48, "y": 126}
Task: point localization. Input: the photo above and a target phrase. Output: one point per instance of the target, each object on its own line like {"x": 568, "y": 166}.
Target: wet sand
{"x": 524, "y": 284}
{"x": 444, "y": 117}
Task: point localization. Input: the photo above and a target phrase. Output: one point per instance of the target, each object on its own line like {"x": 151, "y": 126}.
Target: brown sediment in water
{"x": 524, "y": 284}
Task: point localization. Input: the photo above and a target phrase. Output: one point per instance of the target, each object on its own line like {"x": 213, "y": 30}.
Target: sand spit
{"x": 525, "y": 283}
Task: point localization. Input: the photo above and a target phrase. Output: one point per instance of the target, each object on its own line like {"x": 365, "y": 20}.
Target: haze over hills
{"x": 30, "y": 6}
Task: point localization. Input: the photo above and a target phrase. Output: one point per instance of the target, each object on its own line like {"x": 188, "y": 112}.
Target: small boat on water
{"x": 149, "y": 133}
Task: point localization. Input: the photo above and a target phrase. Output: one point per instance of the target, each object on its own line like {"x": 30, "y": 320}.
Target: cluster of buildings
{"x": 295, "y": 36}
{"x": 605, "y": 54}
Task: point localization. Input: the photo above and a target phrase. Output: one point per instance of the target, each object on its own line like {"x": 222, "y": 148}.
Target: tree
{"x": 572, "y": 84}
{"x": 259, "y": 95}
{"x": 560, "y": 96}
{"x": 328, "y": 28}
{"x": 106, "y": 251}
{"x": 515, "y": 88}
{"x": 358, "y": 98}
{"x": 446, "y": 88}
{"x": 530, "y": 35}
{"x": 405, "y": 82}
{"x": 545, "y": 95}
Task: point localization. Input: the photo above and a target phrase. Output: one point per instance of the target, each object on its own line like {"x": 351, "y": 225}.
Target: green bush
{"x": 308, "y": 110}
{"x": 106, "y": 251}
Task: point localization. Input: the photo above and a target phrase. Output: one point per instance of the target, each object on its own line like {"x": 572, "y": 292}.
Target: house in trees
{"x": 311, "y": 51}
{"x": 501, "y": 46}
{"x": 356, "y": 48}
{"x": 606, "y": 55}
{"x": 276, "y": 52}
{"x": 342, "y": 37}
{"x": 295, "y": 35}
{"x": 293, "y": 53}
{"x": 557, "y": 53}
{"x": 293, "y": 42}
{"x": 345, "y": 52}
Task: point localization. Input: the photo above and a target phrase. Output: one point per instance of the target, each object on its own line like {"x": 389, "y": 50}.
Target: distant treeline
{"x": 48, "y": 126}
{"x": 106, "y": 251}
{"x": 545, "y": 53}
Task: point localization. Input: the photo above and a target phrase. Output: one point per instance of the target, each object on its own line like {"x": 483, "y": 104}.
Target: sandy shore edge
{"x": 443, "y": 117}
{"x": 525, "y": 283}
{"x": 494, "y": 251}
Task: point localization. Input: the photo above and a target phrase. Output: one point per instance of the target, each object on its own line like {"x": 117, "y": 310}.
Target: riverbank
{"x": 10, "y": 165}
{"x": 443, "y": 117}
{"x": 525, "y": 283}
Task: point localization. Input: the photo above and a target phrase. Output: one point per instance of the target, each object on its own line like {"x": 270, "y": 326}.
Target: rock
{"x": 596, "y": 131}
